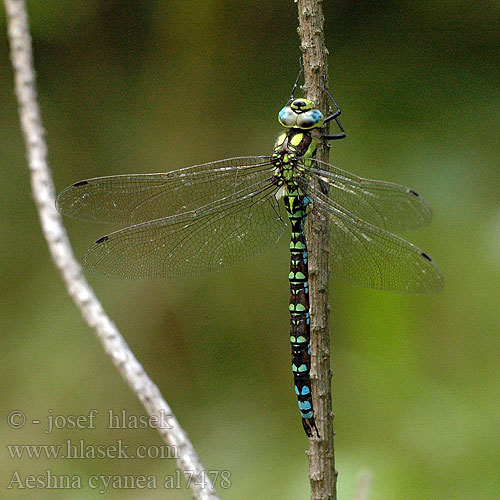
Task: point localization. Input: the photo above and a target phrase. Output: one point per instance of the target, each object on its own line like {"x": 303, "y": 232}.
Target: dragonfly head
{"x": 301, "y": 113}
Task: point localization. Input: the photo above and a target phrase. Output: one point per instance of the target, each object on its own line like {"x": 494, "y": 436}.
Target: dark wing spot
{"x": 105, "y": 238}
{"x": 80, "y": 183}
{"x": 413, "y": 192}
{"x": 425, "y": 256}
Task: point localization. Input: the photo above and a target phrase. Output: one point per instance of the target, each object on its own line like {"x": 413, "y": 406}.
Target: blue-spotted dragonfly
{"x": 209, "y": 216}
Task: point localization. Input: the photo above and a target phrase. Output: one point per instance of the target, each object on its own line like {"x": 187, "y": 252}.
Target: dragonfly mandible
{"x": 209, "y": 216}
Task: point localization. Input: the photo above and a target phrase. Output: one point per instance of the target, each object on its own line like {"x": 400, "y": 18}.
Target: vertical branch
{"x": 322, "y": 473}
{"x": 78, "y": 288}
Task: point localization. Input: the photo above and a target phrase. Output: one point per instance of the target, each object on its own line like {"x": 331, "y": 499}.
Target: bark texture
{"x": 322, "y": 473}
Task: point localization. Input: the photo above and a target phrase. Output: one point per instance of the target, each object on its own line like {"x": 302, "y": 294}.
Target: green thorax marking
{"x": 290, "y": 146}
{"x": 299, "y": 118}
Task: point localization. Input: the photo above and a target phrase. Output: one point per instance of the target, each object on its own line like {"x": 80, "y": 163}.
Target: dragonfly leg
{"x": 334, "y": 116}
{"x": 297, "y": 79}
{"x": 334, "y": 137}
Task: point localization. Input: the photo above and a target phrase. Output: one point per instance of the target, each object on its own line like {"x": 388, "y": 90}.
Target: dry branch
{"x": 71, "y": 272}
{"x": 322, "y": 473}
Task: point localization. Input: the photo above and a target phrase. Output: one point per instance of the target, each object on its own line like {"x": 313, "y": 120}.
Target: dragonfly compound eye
{"x": 287, "y": 117}
{"x": 310, "y": 119}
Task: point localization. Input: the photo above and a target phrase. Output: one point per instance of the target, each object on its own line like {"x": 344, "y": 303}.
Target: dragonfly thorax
{"x": 296, "y": 142}
{"x": 289, "y": 157}
{"x": 292, "y": 144}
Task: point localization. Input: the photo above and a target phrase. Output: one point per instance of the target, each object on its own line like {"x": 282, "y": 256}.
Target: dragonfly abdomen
{"x": 293, "y": 144}
{"x": 297, "y": 206}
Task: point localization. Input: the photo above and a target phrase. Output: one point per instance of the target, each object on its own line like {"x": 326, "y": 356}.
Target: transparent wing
{"x": 369, "y": 256}
{"x": 220, "y": 234}
{"x": 131, "y": 199}
{"x": 390, "y": 206}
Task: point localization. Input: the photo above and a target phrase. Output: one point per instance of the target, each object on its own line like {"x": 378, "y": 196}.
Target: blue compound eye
{"x": 287, "y": 117}
{"x": 310, "y": 119}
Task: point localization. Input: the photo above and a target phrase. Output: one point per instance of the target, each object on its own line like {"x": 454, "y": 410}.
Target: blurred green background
{"x": 152, "y": 86}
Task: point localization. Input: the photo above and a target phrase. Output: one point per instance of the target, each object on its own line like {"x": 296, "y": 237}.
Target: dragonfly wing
{"x": 194, "y": 242}
{"x": 387, "y": 205}
{"x": 131, "y": 199}
{"x": 372, "y": 257}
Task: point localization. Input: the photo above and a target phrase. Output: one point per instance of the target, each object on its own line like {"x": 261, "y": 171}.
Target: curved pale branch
{"x": 71, "y": 272}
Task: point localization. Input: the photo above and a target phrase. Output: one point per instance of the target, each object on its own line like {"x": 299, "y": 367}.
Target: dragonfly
{"x": 206, "y": 217}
